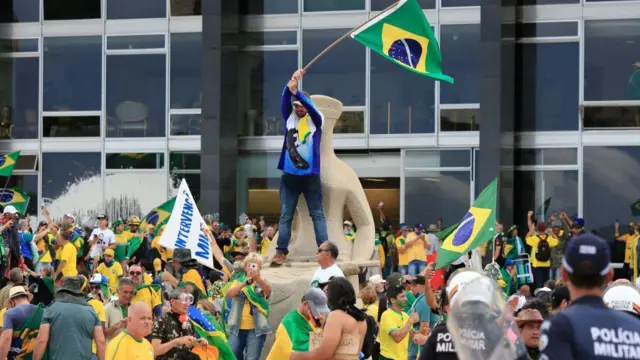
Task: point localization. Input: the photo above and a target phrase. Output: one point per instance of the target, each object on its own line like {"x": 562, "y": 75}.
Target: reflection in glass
{"x": 262, "y": 7}
{"x": 547, "y": 29}
{"x": 341, "y": 72}
{"x": 459, "y": 119}
{"x": 459, "y": 3}
{"x": 72, "y": 9}
{"x": 19, "y": 98}
{"x": 72, "y": 74}
{"x": 333, "y": 5}
{"x": 71, "y": 183}
{"x": 611, "y": 116}
{"x": 261, "y": 38}
{"x": 611, "y": 185}
{"x": 135, "y": 161}
{"x": 131, "y": 42}
{"x": 611, "y": 61}
{"x": 18, "y": 45}
{"x": 448, "y": 194}
{"x": 71, "y": 126}
{"x": 186, "y": 71}
{"x": 436, "y": 158}
{"x": 29, "y": 184}
{"x": 405, "y": 109}
{"x": 133, "y": 192}
{"x": 460, "y": 47}
{"x": 544, "y": 193}
{"x": 546, "y": 2}
{"x": 547, "y": 156}
{"x": 19, "y": 11}
{"x": 186, "y": 7}
{"x": 547, "y": 95}
{"x": 379, "y": 5}
{"x": 136, "y": 95}
{"x": 185, "y": 124}
{"x": 138, "y": 9}
{"x": 184, "y": 161}
{"x": 268, "y": 72}
{"x": 350, "y": 122}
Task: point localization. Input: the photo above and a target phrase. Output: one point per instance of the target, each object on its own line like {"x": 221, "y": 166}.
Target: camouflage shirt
{"x": 167, "y": 328}
{"x": 557, "y": 252}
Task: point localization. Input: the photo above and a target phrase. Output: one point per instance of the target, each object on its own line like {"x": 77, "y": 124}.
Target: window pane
{"x": 19, "y": 98}
{"x": 545, "y": 192}
{"x": 135, "y": 161}
{"x": 19, "y": 11}
{"x": 611, "y": 116}
{"x": 130, "y": 193}
{"x": 193, "y": 180}
{"x": 459, "y": 119}
{"x": 546, "y": 2}
{"x": 71, "y": 183}
{"x": 139, "y": 9}
{"x": 262, "y": 7}
{"x": 268, "y": 72}
{"x": 455, "y": 3}
{"x": 379, "y": 5}
{"x": 186, "y": 7}
{"x": 350, "y": 122}
{"x": 72, "y": 73}
{"x": 71, "y": 126}
{"x": 185, "y": 124}
{"x": 550, "y": 156}
{"x": 546, "y": 29}
{"x": 18, "y": 45}
{"x": 333, "y": 5}
{"x": 269, "y": 38}
{"x": 460, "y": 47}
{"x": 611, "y": 185}
{"x": 184, "y": 161}
{"x": 611, "y": 69}
{"x": 136, "y": 95}
{"x": 135, "y": 42}
{"x": 446, "y": 192}
{"x": 28, "y": 184}
{"x": 436, "y": 158}
{"x": 27, "y": 162}
{"x": 341, "y": 72}
{"x": 71, "y": 9}
{"x": 186, "y": 71}
{"x": 402, "y": 102}
{"x": 547, "y": 98}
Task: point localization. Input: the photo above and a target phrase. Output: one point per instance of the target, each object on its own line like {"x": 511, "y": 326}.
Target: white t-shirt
{"x": 434, "y": 242}
{"x": 105, "y": 238}
{"x": 322, "y": 276}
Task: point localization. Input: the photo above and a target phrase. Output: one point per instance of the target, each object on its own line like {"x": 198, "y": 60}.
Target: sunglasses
{"x": 135, "y": 273}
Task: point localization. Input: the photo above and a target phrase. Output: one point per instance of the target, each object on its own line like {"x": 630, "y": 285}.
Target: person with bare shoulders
{"x": 345, "y": 327}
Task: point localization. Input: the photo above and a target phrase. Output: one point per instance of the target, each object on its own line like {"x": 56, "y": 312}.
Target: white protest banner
{"x": 184, "y": 229}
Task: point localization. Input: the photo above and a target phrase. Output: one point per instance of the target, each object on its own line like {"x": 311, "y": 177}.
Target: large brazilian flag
{"x": 476, "y": 228}
{"x": 7, "y": 162}
{"x": 403, "y": 35}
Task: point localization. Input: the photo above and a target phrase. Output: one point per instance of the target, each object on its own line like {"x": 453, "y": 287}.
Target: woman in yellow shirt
{"x": 67, "y": 257}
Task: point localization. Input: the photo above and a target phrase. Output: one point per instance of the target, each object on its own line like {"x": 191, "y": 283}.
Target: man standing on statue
{"x": 300, "y": 165}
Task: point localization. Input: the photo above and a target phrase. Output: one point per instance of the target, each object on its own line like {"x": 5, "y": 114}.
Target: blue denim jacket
{"x": 260, "y": 320}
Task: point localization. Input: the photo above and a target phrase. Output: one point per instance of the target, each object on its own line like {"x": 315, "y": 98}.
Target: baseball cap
{"x": 556, "y": 223}
{"x": 587, "y": 248}
{"x": 10, "y": 209}
{"x": 69, "y": 215}
{"x": 577, "y": 223}
{"x": 317, "y": 301}
{"x": 109, "y": 252}
{"x": 102, "y": 216}
{"x": 376, "y": 280}
{"x": 97, "y": 279}
{"x": 394, "y": 279}
{"x": 419, "y": 280}
{"x": 559, "y": 294}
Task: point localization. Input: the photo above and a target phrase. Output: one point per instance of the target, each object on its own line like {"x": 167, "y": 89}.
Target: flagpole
{"x": 326, "y": 50}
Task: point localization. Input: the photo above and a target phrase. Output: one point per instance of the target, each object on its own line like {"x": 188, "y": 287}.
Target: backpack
{"x": 370, "y": 337}
{"x": 543, "y": 252}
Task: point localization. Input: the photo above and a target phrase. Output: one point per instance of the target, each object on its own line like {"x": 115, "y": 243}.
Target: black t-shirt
{"x": 439, "y": 346}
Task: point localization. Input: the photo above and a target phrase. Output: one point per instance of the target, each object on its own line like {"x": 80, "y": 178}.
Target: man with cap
{"x": 560, "y": 299}
{"x": 541, "y": 242}
{"x": 300, "y": 165}
{"x": 101, "y": 238}
{"x": 21, "y": 324}
{"x": 416, "y": 247}
{"x": 560, "y": 230}
{"x": 96, "y": 298}
{"x": 9, "y": 231}
{"x": 189, "y": 273}
{"x": 293, "y": 331}
{"x": 420, "y": 307}
{"x": 69, "y": 325}
{"x": 587, "y": 329}
{"x": 67, "y": 257}
{"x": 75, "y": 233}
{"x": 110, "y": 269}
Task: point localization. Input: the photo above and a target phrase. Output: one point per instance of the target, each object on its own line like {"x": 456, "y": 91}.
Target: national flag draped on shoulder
{"x": 403, "y": 35}
{"x": 476, "y": 228}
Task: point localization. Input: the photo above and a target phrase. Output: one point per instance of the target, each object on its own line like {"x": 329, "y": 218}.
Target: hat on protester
{"x": 403, "y": 226}
{"x": 587, "y": 248}
{"x": 157, "y": 264}
{"x": 407, "y": 279}
{"x": 394, "y": 279}
{"x": 560, "y": 293}
{"x": 134, "y": 221}
{"x": 578, "y": 223}
{"x": 117, "y": 223}
{"x": 98, "y": 279}
{"x": 528, "y": 316}
{"x": 556, "y": 223}
{"x": 317, "y": 301}
{"x": 19, "y": 291}
{"x": 521, "y": 300}
{"x": 182, "y": 255}
{"x": 419, "y": 280}
{"x": 419, "y": 226}
{"x": 376, "y": 280}
{"x": 10, "y": 209}
{"x": 109, "y": 252}
{"x": 541, "y": 291}
{"x": 73, "y": 285}
{"x": 102, "y": 216}
{"x": 70, "y": 215}
{"x": 541, "y": 227}
{"x": 348, "y": 223}
{"x": 513, "y": 227}
{"x": 509, "y": 262}
{"x": 433, "y": 228}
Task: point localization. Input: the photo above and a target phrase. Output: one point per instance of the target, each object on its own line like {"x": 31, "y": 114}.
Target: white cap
{"x": 10, "y": 209}
{"x": 69, "y": 215}
{"x": 624, "y": 297}
{"x": 96, "y": 279}
{"x": 376, "y": 280}
{"x": 347, "y": 222}
{"x": 459, "y": 279}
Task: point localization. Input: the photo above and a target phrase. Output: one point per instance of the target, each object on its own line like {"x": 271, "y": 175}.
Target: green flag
{"x": 15, "y": 197}
{"x": 476, "y": 227}
{"x": 403, "y": 35}
{"x": 446, "y": 232}
{"x": 159, "y": 215}
{"x": 635, "y": 208}
{"x": 7, "y": 162}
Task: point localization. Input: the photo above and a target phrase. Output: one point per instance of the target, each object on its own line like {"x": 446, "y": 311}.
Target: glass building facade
{"x": 112, "y": 102}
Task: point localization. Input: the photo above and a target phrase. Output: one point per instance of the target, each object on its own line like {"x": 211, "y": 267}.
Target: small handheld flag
{"x": 7, "y": 162}
{"x": 16, "y": 197}
{"x": 476, "y": 228}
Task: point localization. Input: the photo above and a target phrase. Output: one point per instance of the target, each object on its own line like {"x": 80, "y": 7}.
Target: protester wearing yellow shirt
{"x": 396, "y": 327}
{"x": 147, "y": 293}
{"x": 67, "y": 257}
{"x": 121, "y": 241}
{"x": 131, "y": 343}
{"x": 98, "y": 306}
{"x": 416, "y": 244}
{"x": 403, "y": 252}
{"x": 541, "y": 243}
{"x": 628, "y": 240}
{"x": 110, "y": 269}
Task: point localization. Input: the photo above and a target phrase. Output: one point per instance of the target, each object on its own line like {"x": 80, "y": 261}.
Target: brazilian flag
{"x": 7, "y": 162}
{"x": 15, "y": 197}
{"x": 476, "y": 228}
{"x": 292, "y": 335}
{"x": 635, "y": 208}
{"x": 403, "y": 35}
{"x": 206, "y": 327}
{"x": 159, "y": 215}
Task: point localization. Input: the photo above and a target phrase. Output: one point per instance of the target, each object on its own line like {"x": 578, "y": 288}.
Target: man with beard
{"x": 146, "y": 292}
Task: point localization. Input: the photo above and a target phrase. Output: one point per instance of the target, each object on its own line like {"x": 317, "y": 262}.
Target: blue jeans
{"x": 404, "y": 269}
{"x": 554, "y": 273}
{"x": 291, "y": 186}
{"x": 247, "y": 346}
{"x": 416, "y": 267}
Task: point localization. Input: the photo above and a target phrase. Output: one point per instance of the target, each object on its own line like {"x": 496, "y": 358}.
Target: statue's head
{"x": 331, "y": 109}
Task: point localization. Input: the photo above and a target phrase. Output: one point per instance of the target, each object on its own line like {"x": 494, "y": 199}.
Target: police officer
{"x": 587, "y": 329}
